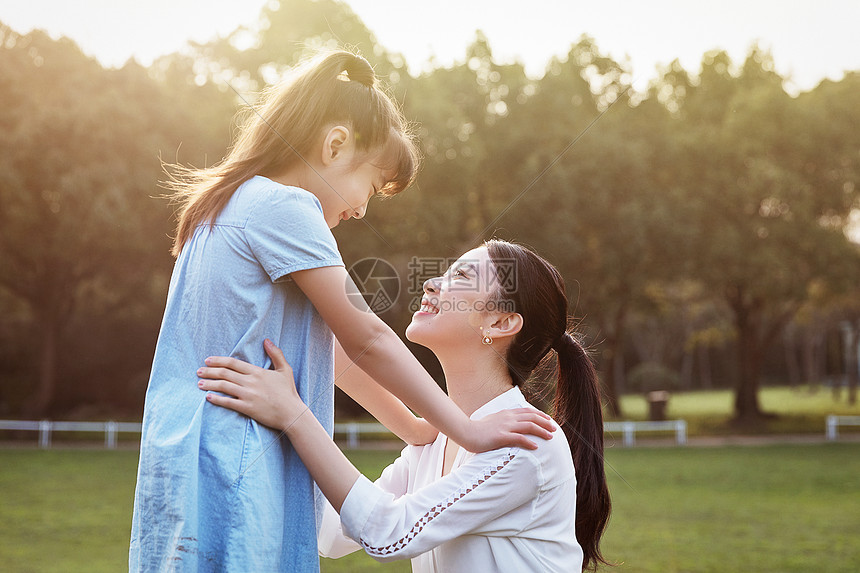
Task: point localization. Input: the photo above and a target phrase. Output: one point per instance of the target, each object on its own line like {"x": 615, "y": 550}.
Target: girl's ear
{"x": 506, "y": 325}
{"x": 335, "y": 143}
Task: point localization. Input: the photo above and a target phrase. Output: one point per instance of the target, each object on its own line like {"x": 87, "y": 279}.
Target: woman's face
{"x": 456, "y": 306}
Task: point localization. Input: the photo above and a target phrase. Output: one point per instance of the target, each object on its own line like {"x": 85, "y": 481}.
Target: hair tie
{"x": 557, "y": 343}
{"x": 359, "y": 70}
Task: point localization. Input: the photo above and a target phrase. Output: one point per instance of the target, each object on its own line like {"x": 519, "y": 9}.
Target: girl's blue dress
{"x": 215, "y": 490}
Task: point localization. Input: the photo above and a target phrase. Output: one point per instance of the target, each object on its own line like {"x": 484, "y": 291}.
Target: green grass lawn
{"x": 798, "y": 410}
{"x": 753, "y": 509}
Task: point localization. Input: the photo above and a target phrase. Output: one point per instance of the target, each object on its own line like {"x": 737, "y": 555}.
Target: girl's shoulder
{"x": 262, "y": 200}
{"x": 261, "y": 190}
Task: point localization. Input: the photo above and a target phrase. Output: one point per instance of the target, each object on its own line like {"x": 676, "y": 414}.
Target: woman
{"x": 491, "y": 319}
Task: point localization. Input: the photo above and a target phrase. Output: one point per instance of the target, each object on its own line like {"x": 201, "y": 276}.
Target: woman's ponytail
{"x": 579, "y": 413}
{"x": 536, "y": 291}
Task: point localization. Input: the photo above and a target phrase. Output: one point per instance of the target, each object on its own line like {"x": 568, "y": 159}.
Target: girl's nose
{"x": 359, "y": 213}
{"x": 431, "y": 286}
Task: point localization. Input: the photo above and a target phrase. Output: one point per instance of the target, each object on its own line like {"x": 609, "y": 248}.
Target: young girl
{"x": 256, "y": 257}
{"x": 490, "y": 320}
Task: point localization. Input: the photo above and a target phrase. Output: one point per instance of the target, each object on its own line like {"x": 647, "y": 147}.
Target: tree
{"x": 576, "y": 180}
{"x": 251, "y": 58}
{"x": 767, "y": 205}
{"x": 79, "y": 162}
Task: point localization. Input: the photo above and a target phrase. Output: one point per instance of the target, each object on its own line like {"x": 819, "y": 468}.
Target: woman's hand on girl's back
{"x": 268, "y": 396}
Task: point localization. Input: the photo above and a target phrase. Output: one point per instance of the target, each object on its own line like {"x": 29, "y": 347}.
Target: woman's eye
{"x": 460, "y": 273}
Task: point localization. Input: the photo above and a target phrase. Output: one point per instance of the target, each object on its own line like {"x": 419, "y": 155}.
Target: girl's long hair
{"x": 536, "y": 290}
{"x": 337, "y": 87}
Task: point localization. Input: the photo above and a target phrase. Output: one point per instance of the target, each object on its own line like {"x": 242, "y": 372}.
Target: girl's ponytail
{"x": 578, "y": 411}
{"x": 291, "y": 118}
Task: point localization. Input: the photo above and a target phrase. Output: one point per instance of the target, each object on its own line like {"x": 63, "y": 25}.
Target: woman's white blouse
{"x": 505, "y": 510}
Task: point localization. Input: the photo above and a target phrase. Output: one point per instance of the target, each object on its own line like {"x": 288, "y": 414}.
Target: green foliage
{"x": 651, "y": 377}
{"x": 756, "y": 202}
{"x": 83, "y": 242}
{"x": 715, "y": 189}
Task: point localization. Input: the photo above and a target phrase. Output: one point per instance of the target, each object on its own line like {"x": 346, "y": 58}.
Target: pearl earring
{"x": 486, "y": 339}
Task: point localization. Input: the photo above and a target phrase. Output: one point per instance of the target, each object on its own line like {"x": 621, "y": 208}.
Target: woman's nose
{"x": 431, "y": 286}
{"x": 359, "y": 212}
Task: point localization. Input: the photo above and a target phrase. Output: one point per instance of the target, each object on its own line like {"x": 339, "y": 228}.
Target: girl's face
{"x": 350, "y": 188}
{"x": 347, "y": 178}
{"x": 457, "y": 307}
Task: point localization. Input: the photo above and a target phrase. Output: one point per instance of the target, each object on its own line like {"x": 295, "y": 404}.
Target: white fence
{"x": 833, "y": 423}
{"x": 353, "y": 430}
{"x": 47, "y": 427}
{"x": 629, "y": 430}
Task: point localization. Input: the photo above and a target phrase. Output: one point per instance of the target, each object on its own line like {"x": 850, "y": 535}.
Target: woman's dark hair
{"x": 536, "y": 291}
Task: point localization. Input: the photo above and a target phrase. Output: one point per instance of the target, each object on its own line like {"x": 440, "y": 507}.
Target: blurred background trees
{"x": 700, "y": 225}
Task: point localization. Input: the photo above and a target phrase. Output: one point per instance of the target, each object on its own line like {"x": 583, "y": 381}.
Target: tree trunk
{"x": 757, "y": 330}
{"x": 792, "y": 364}
{"x": 747, "y": 313}
{"x": 687, "y": 370}
{"x": 53, "y": 306}
{"x": 47, "y": 367}
{"x": 705, "y": 375}
{"x": 747, "y": 407}
{"x": 811, "y": 356}
{"x": 612, "y": 354}
{"x": 852, "y": 360}
{"x": 620, "y": 380}
{"x": 611, "y": 392}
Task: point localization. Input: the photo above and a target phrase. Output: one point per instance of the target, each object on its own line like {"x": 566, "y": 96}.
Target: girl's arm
{"x": 374, "y": 348}
{"x": 382, "y": 404}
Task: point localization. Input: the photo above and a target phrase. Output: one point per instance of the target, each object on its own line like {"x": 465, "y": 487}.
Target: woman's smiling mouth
{"x": 428, "y": 308}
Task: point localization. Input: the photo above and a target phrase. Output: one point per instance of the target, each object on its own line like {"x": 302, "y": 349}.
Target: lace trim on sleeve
{"x": 437, "y": 510}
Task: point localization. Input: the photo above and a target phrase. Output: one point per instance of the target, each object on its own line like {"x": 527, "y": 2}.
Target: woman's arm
{"x": 494, "y": 492}
{"x": 374, "y": 348}
{"x": 388, "y": 526}
{"x": 382, "y": 404}
{"x": 332, "y": 541}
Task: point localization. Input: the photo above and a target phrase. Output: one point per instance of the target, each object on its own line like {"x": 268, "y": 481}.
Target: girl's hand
{"x": 509, "y": 428}
{"x": 268, "y": 396}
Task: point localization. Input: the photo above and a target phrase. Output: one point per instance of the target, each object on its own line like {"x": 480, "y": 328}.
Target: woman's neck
{"x": 473, "y": 381}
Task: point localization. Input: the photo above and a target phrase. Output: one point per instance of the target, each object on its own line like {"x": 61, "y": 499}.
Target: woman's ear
{"x": 506, "y": 325}
{"x": 336, "y": 141}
